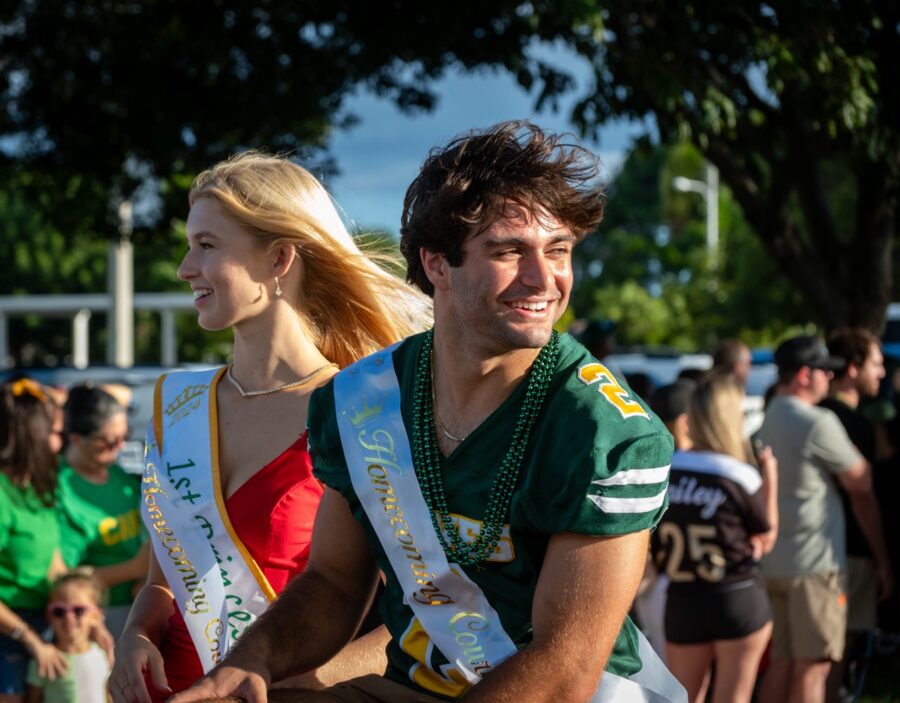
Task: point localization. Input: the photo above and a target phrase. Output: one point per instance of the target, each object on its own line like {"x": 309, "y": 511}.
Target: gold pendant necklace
{"x": 287, "y": 386}
{"x": 437, "y": 418}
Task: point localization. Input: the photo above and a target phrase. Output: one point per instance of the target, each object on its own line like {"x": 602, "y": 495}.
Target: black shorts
{"x": 729, "y": 612}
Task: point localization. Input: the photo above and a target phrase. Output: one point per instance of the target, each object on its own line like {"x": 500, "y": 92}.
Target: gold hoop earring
{"x": 277, "y": 287}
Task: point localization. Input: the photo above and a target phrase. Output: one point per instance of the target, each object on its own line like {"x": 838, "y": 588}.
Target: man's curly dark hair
{"x": 464, "y": 187}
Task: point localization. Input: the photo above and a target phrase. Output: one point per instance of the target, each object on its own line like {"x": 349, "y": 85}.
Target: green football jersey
{"x": 100, "y": 525}
{"x": 590, "y": 431}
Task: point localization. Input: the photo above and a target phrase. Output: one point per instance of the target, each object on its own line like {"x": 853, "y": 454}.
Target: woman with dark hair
{"x": 723, "y": 515}
{"x": 29, "y": 535}
{"x": 99, "y": 514}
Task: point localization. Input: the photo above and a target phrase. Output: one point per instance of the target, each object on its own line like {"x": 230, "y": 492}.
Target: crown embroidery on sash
{"x": 185, "y": 397}
{"x": 360, "y": 415}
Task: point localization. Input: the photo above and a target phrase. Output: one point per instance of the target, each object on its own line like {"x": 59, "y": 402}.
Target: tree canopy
{"x": 101, "y": 97}
{"x": 795, "y": 101}
{"x": 649, "y": 270}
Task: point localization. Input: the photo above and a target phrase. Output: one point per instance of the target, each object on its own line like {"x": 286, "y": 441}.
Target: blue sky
{"x": 380, "y": 156}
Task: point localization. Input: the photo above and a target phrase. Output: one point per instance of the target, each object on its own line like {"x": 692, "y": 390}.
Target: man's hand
{"x": 228, "y": 682}
{"x": 313, "y": 618}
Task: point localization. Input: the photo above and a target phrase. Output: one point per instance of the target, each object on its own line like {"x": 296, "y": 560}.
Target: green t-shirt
{"x": 28, "y": 537}
{"x": 100, "y": 525}
{"x": 590, "y": 428}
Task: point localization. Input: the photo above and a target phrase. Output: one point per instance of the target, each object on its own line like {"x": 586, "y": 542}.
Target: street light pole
{"x": 120, "y": 284}
{"x": 709, "y": 189}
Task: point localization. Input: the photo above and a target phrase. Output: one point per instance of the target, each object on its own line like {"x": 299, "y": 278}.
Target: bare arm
{"x": 137, "y": 650}
{"x": 50, "y": 661}
{"x": 768, "y": 466}
{"x": 856, "y": 479}
{"x": 315, "y": 615}
{"x": 362, "y": 656}
{"x": 586, "y": 586}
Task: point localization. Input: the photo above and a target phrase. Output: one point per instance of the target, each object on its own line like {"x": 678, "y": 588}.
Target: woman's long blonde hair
{"x": 716, "y": 417}
{"x": 349, "y": 304}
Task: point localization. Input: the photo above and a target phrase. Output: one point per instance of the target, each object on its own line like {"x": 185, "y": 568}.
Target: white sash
{"x": 217, "y": 585}
{"x": 450, "y": 607}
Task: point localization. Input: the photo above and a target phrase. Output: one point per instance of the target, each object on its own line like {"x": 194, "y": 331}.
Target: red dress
{"x": 286, "y": 491}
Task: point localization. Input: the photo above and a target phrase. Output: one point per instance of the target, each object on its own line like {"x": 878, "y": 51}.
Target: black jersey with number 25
{"x": 715, "y": 505}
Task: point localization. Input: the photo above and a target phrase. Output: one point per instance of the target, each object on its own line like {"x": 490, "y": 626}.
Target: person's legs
{"x": 776, "y": 682}
{"x": 862, "y": 600}
{"x": 691, "y": 665}
{"x": 818, "y": 608}
{"x": 808, "y": 677}
{"x": 737, "y": 662}
{"x": 774, "y": 686}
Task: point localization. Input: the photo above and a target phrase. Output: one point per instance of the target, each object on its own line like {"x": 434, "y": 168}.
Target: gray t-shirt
{"x": 811, "y": 446}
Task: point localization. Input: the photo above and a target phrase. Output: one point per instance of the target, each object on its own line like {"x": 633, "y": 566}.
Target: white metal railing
{"x": 80, "y": 306}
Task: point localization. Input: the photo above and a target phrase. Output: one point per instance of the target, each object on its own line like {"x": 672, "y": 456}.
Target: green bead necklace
{"x": 427, "y": 456}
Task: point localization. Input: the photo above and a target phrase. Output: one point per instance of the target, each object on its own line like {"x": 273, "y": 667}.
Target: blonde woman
{"x": 722, "y": 517}
{"x": 228, "y": 493}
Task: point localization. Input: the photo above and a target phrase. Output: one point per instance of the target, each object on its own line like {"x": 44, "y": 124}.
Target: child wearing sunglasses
{"x": 73, "y": 610}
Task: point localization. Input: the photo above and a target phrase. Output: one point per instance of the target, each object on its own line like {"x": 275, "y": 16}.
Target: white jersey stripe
{"x": 635, "y": 477}
{"x": 628, "y": 505}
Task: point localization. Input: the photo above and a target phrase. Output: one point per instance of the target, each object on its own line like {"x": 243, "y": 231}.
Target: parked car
{"x": 890, "y": 339}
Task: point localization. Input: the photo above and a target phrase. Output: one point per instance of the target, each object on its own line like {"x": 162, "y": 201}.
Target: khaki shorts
{"x": 862, "y": 594}
{"x": 365, "y": 689}
{"x": 809, "y": 616}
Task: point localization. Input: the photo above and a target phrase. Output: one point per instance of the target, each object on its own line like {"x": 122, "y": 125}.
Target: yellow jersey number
{"x": 609, "y": 388}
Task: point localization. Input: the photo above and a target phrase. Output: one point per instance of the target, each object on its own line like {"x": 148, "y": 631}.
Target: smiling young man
{"x": 502, "y": 479}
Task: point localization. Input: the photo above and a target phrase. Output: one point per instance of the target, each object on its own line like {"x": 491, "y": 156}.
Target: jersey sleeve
{"x": 324, "y": 439}
{"x": 830, "y": 444}
{"x": 598, "y": 471}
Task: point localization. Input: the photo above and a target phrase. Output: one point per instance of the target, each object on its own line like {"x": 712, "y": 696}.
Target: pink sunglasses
{"x": 60, "y": 610}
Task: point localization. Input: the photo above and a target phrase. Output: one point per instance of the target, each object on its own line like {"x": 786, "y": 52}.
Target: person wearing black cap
{"x": 805, "y": 570}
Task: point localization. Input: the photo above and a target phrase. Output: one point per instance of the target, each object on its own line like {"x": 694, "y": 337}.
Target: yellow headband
{"x": 26, "y": 385}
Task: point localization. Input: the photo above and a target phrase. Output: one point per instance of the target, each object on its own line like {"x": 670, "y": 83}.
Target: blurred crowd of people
{"x": 773, "y": 566}
{"x": 72, "y": 548}
{"x": 773, "y": 569}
